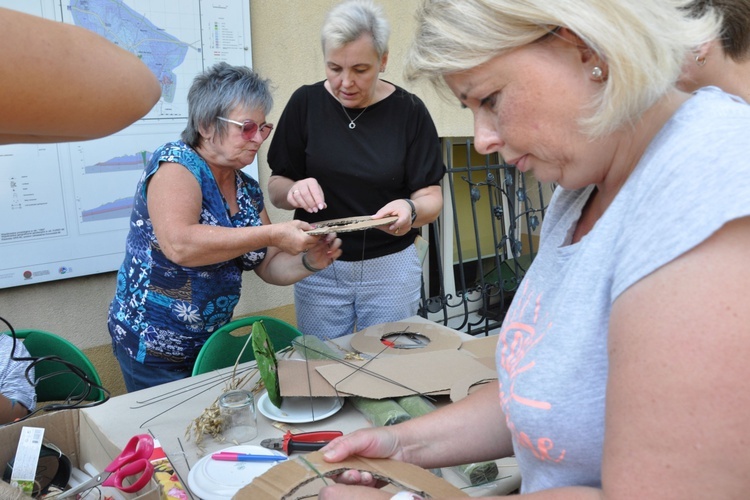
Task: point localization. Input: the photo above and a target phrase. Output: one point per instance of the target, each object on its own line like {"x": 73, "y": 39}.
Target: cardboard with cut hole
{"x": 430, "y": 373}
{"x": 428, "y": 337}
{"x": 301, "y": 478}
{"x": 481, "y": 347}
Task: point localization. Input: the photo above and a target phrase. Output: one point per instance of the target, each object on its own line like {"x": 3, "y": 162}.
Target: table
{"x": 166, "y": 410}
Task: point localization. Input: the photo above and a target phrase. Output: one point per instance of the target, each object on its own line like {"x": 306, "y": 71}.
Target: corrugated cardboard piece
{"x": 77, "y": 437}
{"x": 422, "y": 373}
{"x": 432, "y": 373}
{"x": 481, "y": 347}
{"x": 438, "y": 368}
{"x": 302, "y": 476}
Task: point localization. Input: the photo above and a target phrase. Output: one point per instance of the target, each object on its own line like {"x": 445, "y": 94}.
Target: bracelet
{"x": 413, "y": 210}
{"x": 308, "y": 266}
{"x": 406, "y": 495}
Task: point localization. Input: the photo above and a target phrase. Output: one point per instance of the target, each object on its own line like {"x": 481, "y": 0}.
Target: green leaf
{"x": 265, "y": 356}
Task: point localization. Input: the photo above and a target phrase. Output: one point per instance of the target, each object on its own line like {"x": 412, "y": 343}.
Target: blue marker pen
{"x": 246, "y": 457}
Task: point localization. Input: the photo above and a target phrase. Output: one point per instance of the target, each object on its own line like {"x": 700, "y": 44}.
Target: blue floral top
{"x": 162, "y": 313}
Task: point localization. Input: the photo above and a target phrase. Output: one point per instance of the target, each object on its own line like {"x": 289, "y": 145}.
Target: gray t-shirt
{"x": 552, "y": 351}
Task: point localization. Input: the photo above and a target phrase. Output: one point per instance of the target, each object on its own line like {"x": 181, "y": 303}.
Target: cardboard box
{"x": 78, "y": 438}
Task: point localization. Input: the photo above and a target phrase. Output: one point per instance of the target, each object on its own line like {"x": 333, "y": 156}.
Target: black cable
{"x": 71, "y": 402}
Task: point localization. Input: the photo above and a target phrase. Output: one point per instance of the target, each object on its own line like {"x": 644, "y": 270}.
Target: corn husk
{"x": 380, "y": 412}
{"x": 478, "y": 473}
{"x": 416, "y": 406}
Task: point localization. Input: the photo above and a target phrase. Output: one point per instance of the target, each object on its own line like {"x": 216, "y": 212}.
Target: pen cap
{"x": 238, "y": 419}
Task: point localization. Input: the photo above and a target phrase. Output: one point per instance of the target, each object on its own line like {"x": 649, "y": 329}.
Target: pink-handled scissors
{"x": 133, "y": 461}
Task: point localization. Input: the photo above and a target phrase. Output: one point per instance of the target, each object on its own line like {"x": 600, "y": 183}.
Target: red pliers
{"x": 302, "y": 442}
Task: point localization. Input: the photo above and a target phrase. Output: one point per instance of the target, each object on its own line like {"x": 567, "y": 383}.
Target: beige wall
{"x": 286, "y": 49}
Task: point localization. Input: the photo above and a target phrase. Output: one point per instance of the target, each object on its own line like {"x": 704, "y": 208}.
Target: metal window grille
{"x": 484, "y": 240}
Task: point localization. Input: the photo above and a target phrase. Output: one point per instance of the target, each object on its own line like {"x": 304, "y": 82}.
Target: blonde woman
{"x": 621, "y": 363}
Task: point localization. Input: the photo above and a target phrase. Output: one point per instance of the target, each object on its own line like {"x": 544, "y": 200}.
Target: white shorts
{"x": 358, "y": 294}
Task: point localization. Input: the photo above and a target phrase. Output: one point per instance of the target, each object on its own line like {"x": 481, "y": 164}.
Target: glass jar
{"x": 238, "y": 420}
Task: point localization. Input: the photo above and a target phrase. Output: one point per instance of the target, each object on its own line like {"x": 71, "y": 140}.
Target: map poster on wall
{"x": 65, "y": 208}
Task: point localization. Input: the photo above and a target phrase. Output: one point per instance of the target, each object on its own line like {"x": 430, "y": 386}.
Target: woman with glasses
{"x": 198, "y": 222}
{"x": 357, "y": 145}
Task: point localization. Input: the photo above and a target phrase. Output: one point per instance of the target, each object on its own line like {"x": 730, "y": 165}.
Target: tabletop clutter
{"x": 393, "y": 372}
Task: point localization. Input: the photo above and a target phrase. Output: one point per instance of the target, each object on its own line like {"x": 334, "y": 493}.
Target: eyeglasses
{"x": 250, "y": 128}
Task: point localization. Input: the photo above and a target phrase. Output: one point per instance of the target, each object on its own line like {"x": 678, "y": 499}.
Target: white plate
{"x": 218, "y": 480}
{"x": 298, "y": 410}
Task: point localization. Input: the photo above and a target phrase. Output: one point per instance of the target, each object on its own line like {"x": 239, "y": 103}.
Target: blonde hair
{"x": 644, "y": 44}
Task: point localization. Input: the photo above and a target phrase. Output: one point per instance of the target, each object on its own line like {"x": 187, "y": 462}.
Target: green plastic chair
{"x": 224, "y": 345}
{"x": 63, "y": 385}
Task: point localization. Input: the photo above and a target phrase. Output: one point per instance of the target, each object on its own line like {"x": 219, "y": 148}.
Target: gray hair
{"x": 644, "y": 44}
{"x": 351, "y": 19}
{"x": 217, "y": 92}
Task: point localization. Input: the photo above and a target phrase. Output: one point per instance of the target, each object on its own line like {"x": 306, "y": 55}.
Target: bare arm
{"x": 427, "y": 201}
{"x": 677, "y": 393}
{"x": 289, "y": 195}
{"x": 437, "y": 439}
{"x": 441, "y": 438}
{"x": 470, "y": 430}
{"x": 174, "y": 204}
{"x": 66, "y": 83}
{"x": 278, "y": 188}
{"x": 11, "y": 410}
{"x": 281, "y": 268}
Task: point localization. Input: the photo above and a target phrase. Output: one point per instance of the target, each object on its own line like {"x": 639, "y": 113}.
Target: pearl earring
{"x": 700, "y": 60}
{"x": 597, "y": 73}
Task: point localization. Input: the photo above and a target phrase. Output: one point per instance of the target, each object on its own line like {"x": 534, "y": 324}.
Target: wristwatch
{"x": 413, "y": 210}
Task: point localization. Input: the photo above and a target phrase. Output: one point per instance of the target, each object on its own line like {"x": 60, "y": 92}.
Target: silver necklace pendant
{"x": 352, "y": 125}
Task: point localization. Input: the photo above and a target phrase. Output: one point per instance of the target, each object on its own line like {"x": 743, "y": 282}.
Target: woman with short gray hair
{"x": 358, "y": 145}
{"x": 198, "y": 222}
